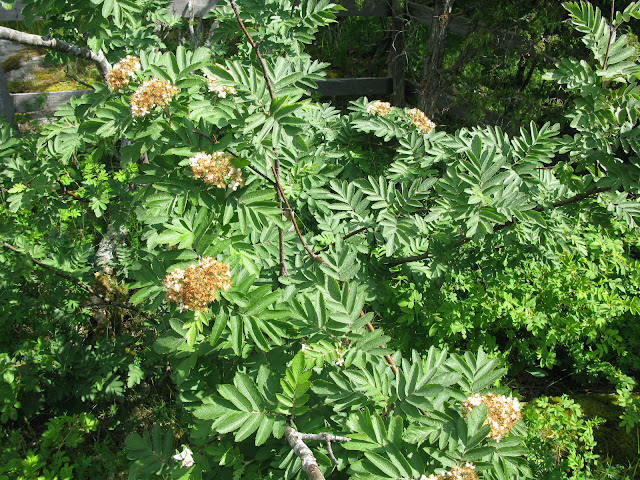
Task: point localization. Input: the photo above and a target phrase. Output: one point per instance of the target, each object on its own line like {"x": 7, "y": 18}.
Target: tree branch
{"x": 309, "y": 463}
{"x": 464, "y": 239}
{"x": 58, "y": 45}
{"x": 253, "y": 44}
{"x": 388, "y": 358}
{"x": 275, "y": 167}
{"x": 348, "y": 235}
{"x": 81, "y": 284}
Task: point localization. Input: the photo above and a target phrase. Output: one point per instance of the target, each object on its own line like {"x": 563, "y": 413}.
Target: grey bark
{"x": 59, "y": 45}
{"x": 309, "y": 464}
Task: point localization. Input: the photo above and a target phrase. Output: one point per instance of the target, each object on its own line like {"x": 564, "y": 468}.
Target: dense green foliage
{"x": 248, "y": 303}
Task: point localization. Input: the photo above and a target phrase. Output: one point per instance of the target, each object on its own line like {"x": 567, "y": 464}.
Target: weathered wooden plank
{"x": 370, "y": 8}
{"x": 355, "y": 86}
{"x": 32, "y": 102}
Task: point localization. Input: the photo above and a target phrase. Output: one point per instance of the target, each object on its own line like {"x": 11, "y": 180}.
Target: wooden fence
{"x": 394, "y": 85}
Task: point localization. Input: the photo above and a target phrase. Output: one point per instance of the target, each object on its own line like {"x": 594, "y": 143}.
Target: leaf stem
{"x": 275, "y": 167}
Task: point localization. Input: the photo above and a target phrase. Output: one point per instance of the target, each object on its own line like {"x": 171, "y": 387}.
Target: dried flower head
{"x": 152, "y": 93}
{"x": 420, "y": 120}
{"x": 216, "y": 169}
{"x": 122, "y": 72}
{"x": 502, "y": 412}
{"x": 197, "y": 286}
{"x": 459, "y": 472}
{"x": 221, "y": 90}
{"x": 379, "y": 108}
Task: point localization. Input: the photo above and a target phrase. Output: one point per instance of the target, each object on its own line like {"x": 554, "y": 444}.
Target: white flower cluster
{"x": 152, "y": 93}
{"x": 122, "y": 72}
{"x": 459, "y": 472}
{"x": 420, "y": 120}
{"x": 379, "y": 108}
{"x": 502, "y": 412}
{"x": 216, "y": 169}
{"x": 197, "y": 286}
{"x": 185, "y": 458}
{"x": 220, "y": 90}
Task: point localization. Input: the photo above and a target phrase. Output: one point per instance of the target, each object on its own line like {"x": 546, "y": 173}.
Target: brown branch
{"x": 313, "y": 255}
{"x": 255, "y": 48}
{"x": 348, "y": 235}
{"x": 58, "y": 45}
{"x": 76, "y": 79}
{"x": 464, "y": 239}
{"x": 392, "y": 364}
{"x": 280, "y": 196}
{"x": 276, "y": 163}
{"x": 80, "y": 283}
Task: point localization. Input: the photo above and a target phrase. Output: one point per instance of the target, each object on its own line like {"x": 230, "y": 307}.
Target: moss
{"x": 14, "y": 61}
{"x": 49, "y": 81}
{"x": 614, "y": 443}
{"x": 51, "y": 78}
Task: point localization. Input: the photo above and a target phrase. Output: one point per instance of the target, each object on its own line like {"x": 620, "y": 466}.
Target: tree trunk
{"x": 6, "y": 103}
{"x": 432, "y": 84}
{"x": 397, "y": 53}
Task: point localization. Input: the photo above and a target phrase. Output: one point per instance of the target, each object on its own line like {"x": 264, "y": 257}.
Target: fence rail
{"x": 393, "y": 85}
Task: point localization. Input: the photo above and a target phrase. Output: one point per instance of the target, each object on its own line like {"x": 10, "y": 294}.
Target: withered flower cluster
{"x": 459, "y": 472}
{"x": 216, "y": 169}
{"x": 122, "y": 72}
{"x": 152, "y": 93}
{"x": 420, "y": 120}
{"x": 197, "y": 286}
{"x": 503, "y": 412}
{"x": 379, "y": 108}
{"x": 221, "y": 90}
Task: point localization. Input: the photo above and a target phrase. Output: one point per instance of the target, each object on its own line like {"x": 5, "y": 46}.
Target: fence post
{"x": 397, "y": 54}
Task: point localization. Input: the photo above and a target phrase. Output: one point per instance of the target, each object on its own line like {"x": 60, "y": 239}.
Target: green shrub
{"x": 259, "y": 248}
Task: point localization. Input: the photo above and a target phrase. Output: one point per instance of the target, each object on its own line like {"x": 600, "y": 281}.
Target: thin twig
{"x": 276, "y": 163}
{"x": 75, "y": 79}
{"x": 348, "y": 235}
{"x": 80, "y": 283}
{"x": 388, "y": 358}
{"x": 464, "y": 239}
{"x": 313, "y": 255}
{"x": 255, "y": 48}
